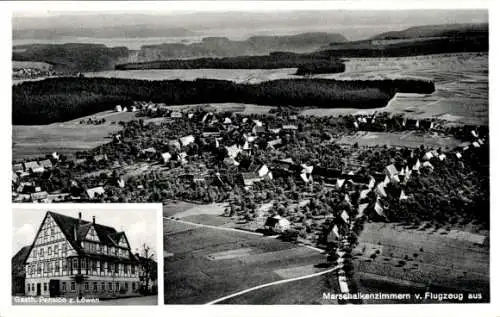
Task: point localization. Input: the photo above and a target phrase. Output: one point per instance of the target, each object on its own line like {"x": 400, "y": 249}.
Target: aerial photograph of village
{"x": 301, "y": 157}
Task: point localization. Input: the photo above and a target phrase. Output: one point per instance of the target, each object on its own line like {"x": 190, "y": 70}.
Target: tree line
{"x": 272, "y": 61}
{"x": 61, "y": 99}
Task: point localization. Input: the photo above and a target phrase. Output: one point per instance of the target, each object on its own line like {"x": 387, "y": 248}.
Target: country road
{"x": 273, "y": 283}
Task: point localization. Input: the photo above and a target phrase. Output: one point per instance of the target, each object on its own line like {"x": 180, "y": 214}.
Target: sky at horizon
{"x": 354, "y": 24}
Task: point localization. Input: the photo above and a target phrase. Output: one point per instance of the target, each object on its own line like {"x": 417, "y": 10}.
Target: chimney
{"x": 93, "y": 220}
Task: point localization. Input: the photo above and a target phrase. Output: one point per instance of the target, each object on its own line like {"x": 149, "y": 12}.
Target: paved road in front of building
{"x": 143, "y": 300}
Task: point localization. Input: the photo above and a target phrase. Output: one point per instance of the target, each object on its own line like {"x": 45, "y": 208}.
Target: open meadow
{"x": 461, "y": 82}
{"x": 65, "y": 137}
{"x": 302, "y": 292}
{"x": 388, "y": 254}
{"x": 411, "y": 139}
{"x": 208, "y": 263}
{"x": 246, "y": 76}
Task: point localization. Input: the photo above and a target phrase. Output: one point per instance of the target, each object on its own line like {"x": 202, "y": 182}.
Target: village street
{"x": 141, "y": 300}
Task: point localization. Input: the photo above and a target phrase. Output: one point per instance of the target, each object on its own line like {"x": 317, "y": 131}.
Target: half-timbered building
{"x": 71, "y": 257}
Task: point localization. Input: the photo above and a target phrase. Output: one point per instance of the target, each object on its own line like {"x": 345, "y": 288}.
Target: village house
{"x": 274, "y": 144}
{"x": 95, "y": 193}
{"x": 289, "y": 128}
{"x": 211, "y": 131}
{"x": 250, "y": 178}
{"x": 26, "y": 188}
{"x": 166, "y": 157}
{"x": 46, "y": 164}
{"x": 233, "y": 151}
{"x": 100, "y": 157}
{"x": 250, "y": 138}
{"x": 361, "y": 209}
{"x": 174, "y": 144}
{"x": 277, "y": 224}
{"x": 57, "y": 197}
{"x": 263, "y": 170}
{"x": 176, "y": 114}
{"x": 149, "y": 150}
{"x": 391, "y": 171}
{"x": 15, "y": 179}
{"x": 182, "y": 158}
{"x": 17, "y": 168}
{"x": 258, "y": 130}
{"x": 121, "y": 182}
{"x": 79, "y": 161}
{"x": 72, "y": 257}
{"x": 33, "y": 167}
{"x": 40, "y": 196}
{"x": 186, "y": 140}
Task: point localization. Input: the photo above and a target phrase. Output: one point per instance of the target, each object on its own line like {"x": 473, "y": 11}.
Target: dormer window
{"x": 92, "y": 235}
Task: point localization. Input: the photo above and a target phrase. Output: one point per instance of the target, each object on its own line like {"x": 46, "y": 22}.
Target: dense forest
{"x": 66, "y": 98}
{"x": 308, "y": 62}
{"x": 71, "y": 57}
{"x": 386, "y": 48}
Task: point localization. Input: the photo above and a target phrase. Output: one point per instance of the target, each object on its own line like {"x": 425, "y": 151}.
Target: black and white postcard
{"x": 331, "y": 153}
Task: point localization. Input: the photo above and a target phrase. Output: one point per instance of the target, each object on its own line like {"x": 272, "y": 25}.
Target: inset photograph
{"x": 78, "y": 254}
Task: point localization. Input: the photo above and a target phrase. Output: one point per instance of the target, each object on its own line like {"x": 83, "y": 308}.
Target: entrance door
{"x": 38, "y": 289}
{"x": 54, "y": 290}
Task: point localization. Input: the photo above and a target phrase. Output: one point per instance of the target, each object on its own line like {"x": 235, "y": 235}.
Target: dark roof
{"x": 326, "y": 172}
{"x": 18, "y": 260}
{"x": 271, "y": 221}
{"x": 107, "y": 235}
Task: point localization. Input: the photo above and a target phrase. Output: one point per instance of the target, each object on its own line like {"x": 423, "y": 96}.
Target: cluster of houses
{"x": 27, "y": 72}
{"x": 239, "y": 137}
{"x": 376, "y": 184}
{"x": 142, "y": 106}
{"x": 119, "y": 108}
{"x": 28, "y": 190}
{"x": 367, "y": 122}
{"x": 25, "y": 189}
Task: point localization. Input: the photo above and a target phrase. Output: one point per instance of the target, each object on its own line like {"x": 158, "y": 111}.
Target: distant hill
{"x": 72, "y": 57}
{"x": 446, "y": 30}
{"x": 420, "y": 40}
{"x": 255, "y": 45}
